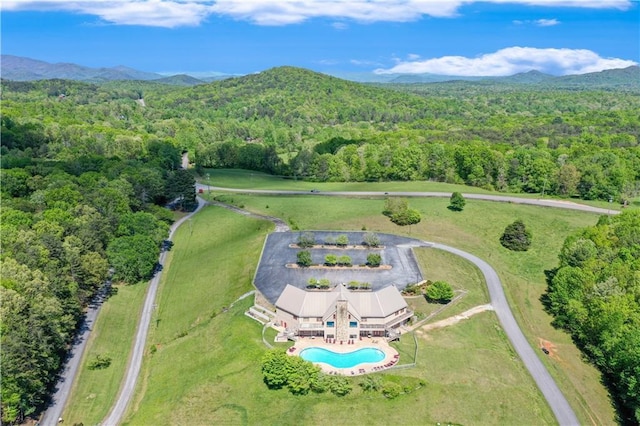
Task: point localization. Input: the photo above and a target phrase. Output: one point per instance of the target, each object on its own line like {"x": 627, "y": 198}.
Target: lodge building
{"x": 341, "y": 315}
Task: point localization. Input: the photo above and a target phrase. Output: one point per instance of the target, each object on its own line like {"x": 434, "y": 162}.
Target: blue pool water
{"x": 342, "y": 360}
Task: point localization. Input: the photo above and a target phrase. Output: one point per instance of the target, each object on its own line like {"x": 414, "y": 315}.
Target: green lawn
{"x": 477, "y": 230}
{"x": 210, "y": 357}
{"x": 246, "y": 179}
{"x": 204, "y": 366}
{"x": 94, "y": 391}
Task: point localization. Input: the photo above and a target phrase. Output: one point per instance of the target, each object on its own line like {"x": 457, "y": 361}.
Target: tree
{"x": 342, "y": 240}
{"x": 133, "y": 257}
{"x": 331, "y": 260}
{"x": 397, "y": 209}
{"x": 374, "y": 259}
{"x": 306, "y": 240}
{"x": 440, "y": 292}
{"x": 371, "y": 239}
{"x": 274, "y": 364}
{"x": 516, "y": 237}
{"x": 344, "y": 260}
{"x": 181, "y": 186}
{"x": 457, "y": 202}
{"x": 304, "y": 258}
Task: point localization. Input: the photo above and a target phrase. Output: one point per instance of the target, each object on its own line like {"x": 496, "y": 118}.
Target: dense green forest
{"x": 67, "y": 226}
{"x": 86, "y": 169}
{"x": 293, "y": 122}
{"x": 595, "y": 295}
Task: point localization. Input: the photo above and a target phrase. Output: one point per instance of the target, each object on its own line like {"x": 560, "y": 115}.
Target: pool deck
{"x": 391, "y": 356}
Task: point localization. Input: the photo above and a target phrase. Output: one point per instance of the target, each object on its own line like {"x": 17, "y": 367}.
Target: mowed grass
{"x": 205, "y": 365}
{"x": 477, "y": 230}
{"x": 247, "y": 179}
{"x": 94, "y": 391}
{"x": 465, "y": 278}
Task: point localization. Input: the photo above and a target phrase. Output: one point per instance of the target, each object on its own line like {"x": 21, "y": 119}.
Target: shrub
{"x": 312, "y": 283}
{"x": 99, "y": 363}
{"x": 391, "y": 390}
{"x": 339, "y": 385}
{"x": 324, "y": 283}
{"x": 440, "y": 292}
{"x": 516, "y": 237}
{"x": 371, "y": 239}
{"x": 457, "y": 202}
{"x": 306, "y": 240}
{"x": 304, "y": 258}
{"x": 331, "y": 260}
{"x": 344, "y": 260}
{"x": 371, "y": 384}
{"x": 374, "y": 259}
{"x": 342, "y": 240}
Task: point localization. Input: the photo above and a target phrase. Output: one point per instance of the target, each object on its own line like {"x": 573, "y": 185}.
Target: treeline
{"x": 67, "y": 227}
{"x": 295, "y": 122}
{"x": 594, "y": 294}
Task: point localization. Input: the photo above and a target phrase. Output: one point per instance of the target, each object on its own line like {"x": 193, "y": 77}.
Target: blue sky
{"x": 456, "y": 37}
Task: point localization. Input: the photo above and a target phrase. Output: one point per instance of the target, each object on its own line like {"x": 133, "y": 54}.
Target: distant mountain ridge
{"x": 26, "y": 69}
{"x": 19, "y": 68}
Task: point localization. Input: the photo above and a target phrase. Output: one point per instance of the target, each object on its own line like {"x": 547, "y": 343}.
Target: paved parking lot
{"x": 273, "y": 275}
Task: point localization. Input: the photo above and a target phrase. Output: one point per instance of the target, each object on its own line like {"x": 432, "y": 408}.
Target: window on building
{"x": 331, "y": 324}
{"x": 353, "y": 324}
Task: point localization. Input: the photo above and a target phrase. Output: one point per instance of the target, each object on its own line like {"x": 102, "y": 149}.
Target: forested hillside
{"x": 594, "y": 294}
{"x": 291, "y": 121}
{"x": 67, "y": 226}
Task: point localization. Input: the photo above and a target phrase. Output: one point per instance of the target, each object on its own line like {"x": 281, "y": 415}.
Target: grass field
{"x": 245, "y": 179}
{"x": 209, "y": 372}
{"x": 94, "y": 391}
{"x": 477, "y": 230}
{"x": 202, "y": 364}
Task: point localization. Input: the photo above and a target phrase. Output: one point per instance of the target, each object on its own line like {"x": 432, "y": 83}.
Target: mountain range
{"x": 19, "y": 68}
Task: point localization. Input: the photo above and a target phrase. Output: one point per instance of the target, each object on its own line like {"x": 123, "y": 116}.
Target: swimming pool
{"x": 342, "y": 360}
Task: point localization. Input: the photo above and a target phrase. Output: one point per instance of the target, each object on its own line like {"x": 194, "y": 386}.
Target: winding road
{"x": 135, "y": 360}
{"x": 556, "y": 400}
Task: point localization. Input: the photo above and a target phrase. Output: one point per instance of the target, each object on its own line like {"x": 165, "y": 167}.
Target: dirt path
{"x": 454, "y": 319}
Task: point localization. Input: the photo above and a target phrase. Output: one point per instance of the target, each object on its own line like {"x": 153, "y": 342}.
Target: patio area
{"x": 391, "y": 356}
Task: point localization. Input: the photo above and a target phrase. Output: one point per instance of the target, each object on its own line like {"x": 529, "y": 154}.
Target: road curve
{"x": 543, "y": 202}
{"x": 556, "y": 400}
{"x": 135, "y": 360}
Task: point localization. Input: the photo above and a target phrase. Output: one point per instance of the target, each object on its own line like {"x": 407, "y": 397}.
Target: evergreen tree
{"x": 457, "y": 202}
{"x": 516, "y": 237}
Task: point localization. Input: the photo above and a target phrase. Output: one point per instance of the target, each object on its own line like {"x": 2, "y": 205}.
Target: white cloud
{"x": 538, "y": 22}
{"x": 340, "y": 26}
{"x": 156, "y": 13}
{"x": 413, "y": 56}
{"x": 512, "y": 60}
{"x": 173, "y": 13}
{"x": 546, "y": 22}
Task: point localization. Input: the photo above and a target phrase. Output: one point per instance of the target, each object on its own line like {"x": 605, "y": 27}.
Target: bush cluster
{"x": 301, "y": 377}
